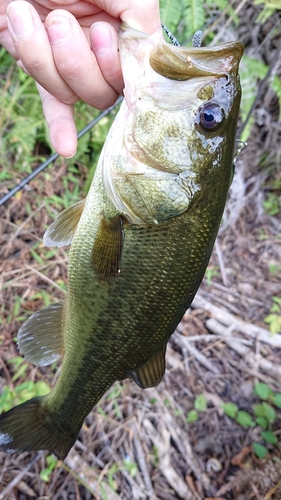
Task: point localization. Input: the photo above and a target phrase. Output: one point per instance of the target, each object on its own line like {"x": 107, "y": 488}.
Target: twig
{"x": 220, "y": 300}
{"x": 184, "y": 342}
{"x": 221, "y": 263}
{"x": 234, "y": 293}
{"x": 19, "y": 476}
{"x": 93, "y": 458}
{"x": 20, "y": 228}
{"x": 236, "y": 344}
{"x": 142, "y": 461}
{"x": 180, "y": 439}
{"x": 137, "y": 490}
{"x": 198, "y": 338}
{"x": 161, "y": 441}
{"x": 268, "y": 496}
{"x": 228, "y": 319}
{"x": 45, "y": 278}
{"x": 78, "y": 468}
{"x": 12, "y": 224}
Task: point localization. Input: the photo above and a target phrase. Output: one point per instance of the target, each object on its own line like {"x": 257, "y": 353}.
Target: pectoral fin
{"x": 61, "y": 231}
{"x": 40, "y": 338}
{"x": 150, "y": 373}
{"x": 107, "y": 248}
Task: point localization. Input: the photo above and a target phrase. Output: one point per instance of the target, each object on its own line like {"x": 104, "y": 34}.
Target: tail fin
{"x": 29, "y": 427}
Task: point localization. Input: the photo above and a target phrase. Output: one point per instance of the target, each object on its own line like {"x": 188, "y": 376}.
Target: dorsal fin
{"x": 150, "y": 373}
{"x": 40, "y": 338}
{"x": 61, "y": 231}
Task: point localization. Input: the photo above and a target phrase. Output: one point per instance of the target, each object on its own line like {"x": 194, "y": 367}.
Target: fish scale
{"x": 141, "y": 241}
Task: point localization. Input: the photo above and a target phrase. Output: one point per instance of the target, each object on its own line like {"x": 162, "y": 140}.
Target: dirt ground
{"x": 138, "y": 444}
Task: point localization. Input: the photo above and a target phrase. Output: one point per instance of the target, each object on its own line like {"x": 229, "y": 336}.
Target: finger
{"x": 59, "y": 117}
{"x": 33, "y": 49}
{"x": 104, "y": 41}
{"x": 6, "y": 41}
{"x": 142, "y": 15}
{"x": 76, "y": 62}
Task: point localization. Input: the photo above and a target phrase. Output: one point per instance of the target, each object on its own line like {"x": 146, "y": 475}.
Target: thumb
{"x": 142, "y": 15}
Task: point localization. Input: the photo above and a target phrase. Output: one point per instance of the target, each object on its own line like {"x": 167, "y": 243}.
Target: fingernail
{"x": 101, "y": 38}
{"x": 69, "y": 155}
{"x": 58, "y": 29}
{"x": 19, "y": 19}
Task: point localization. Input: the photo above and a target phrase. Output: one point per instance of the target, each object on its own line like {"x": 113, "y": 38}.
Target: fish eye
{"x": 211, "y": 116}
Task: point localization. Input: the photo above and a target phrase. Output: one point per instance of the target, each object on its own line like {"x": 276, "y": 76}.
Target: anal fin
{"x": 107, "y": 249}
{"x": 40, "y": 338}
{"x": 61, "y": 231}
{"x": 150, "y": 373}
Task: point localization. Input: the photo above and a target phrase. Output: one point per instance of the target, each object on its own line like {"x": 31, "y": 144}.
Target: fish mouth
{"x": 183, "y": 63}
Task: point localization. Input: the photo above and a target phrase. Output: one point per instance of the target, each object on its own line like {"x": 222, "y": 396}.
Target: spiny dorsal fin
{"x": 107, "y": 250}
{"x": 150, "y": 373}
{"x": 40, "y": 338}
{"x": 61, "y": 231}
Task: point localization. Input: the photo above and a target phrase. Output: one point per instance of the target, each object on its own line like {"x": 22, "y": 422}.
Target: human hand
{"x": 70, "y": 48}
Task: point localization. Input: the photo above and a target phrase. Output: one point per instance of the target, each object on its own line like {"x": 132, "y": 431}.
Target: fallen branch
{"x": 161, "y": 441}
{"x": 184, "y": 343}
{"x": 83, "y": 474}
{"x": 228, "y": 319}
{"x": 18, "y": 477}
{"x": 140, "y": 456}
{"x": 236, "y": 344}
{"x": 181, "y": 440}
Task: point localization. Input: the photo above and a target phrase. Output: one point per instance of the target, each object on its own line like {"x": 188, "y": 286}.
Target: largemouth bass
{"x": 141, "y": 241}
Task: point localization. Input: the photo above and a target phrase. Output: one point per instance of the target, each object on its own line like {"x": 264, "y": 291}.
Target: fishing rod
{"x": 54, "y": 156}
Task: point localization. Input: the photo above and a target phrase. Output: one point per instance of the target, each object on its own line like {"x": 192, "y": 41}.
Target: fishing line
{"x": 54, "y": 156}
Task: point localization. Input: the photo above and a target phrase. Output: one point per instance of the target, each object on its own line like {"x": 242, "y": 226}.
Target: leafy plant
{"x": 260, "y": 450}
{"x": 272, "y": 204}
{"x": 210, "y": 273}
{"x": 19, "y": 394}
{"x": 264, "y": 416}
{"x": 21, "y": 117}
{"x": 200, "y": 405}
{"x": 274, "y": 269}
{"x": 127, "y": 465}
{"x": 269, "y": 7}
{"x": 51, "y": 464}
{"x": 274, "y": 318}
{"x": 23, "y": 129}
{"x": 242, "y": 417}
{"x": 184, "y": 17}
